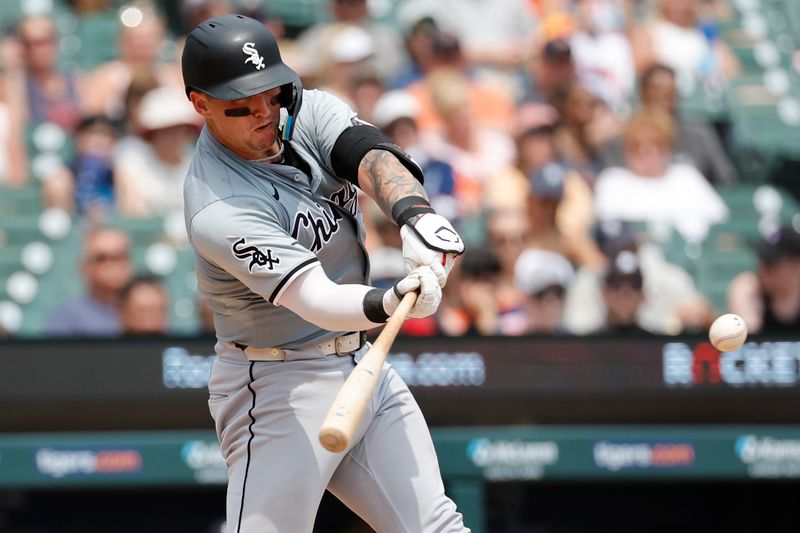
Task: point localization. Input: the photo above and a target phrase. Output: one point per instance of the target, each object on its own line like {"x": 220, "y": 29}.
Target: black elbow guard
{"x": 354, "y": 143}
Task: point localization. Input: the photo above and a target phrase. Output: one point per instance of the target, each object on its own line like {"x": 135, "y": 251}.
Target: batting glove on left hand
{"x": 428, "y": 300}
{"x": 431, "y": 240}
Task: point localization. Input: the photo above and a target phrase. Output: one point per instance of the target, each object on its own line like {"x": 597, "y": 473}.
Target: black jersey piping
{"x": 289, "y": 276}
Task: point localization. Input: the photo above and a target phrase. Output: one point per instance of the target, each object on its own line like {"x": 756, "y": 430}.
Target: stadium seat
{"x": 19, "y": 201}
{"x": 142, "y": 231}
{"x": 299, "y": 14}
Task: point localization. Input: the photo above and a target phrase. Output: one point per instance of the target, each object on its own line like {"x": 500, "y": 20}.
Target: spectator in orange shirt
{"x": 477, "y": 154}
{"x": 488, "y": 106}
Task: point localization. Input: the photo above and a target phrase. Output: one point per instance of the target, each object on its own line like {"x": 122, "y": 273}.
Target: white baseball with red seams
{"x": 728, "y": 332}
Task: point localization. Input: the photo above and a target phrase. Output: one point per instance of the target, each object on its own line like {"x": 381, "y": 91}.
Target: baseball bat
{"x": 351, "y": 402}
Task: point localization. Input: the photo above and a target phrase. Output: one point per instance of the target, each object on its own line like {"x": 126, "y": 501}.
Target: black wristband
{"x": 373, "y": 306}
{"x": 408, "y": 207}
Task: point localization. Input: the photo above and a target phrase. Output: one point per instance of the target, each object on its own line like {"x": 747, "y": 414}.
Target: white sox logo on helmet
{"x": 255, "y": 58}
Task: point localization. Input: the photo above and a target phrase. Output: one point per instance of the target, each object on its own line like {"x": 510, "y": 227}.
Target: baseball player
{"x": 272, "y": 213}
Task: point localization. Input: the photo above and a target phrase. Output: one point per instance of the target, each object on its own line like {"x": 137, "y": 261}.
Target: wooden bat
{"x": 351, "y": 402}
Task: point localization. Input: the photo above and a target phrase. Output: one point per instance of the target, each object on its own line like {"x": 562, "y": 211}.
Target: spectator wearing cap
{"x": 623, "y": 295}
{"x": 652, "y": 187}
{"x": 769, "y": 299}
{"x": 671, "y": 305}
{"x": 487, "y": 106}
{"x": 560, "y": 214}
{"x": 347, "y": 55}
{"x": 149, "y": 171}
{"x": 106, "y": 269}
{"x": 556, "y": 200}
{"x": 545, "y": 277}
{"x": 550, "y": 71}
{"x": 314, "y": 41}
{"x": 86, "y": 185}
{"x": 145, "y": 307}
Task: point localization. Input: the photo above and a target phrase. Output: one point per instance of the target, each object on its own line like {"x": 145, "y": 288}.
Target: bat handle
{"x": 395, "y": 322}
{"x": 348, "y": 408}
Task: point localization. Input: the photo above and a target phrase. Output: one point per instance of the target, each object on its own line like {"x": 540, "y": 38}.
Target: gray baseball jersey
{"x": 255, "y": 227}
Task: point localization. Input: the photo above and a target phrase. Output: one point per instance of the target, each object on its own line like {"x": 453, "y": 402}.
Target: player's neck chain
{"x": 271, "y": 158}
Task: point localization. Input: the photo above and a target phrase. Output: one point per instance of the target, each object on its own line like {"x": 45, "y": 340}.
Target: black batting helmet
{"x": 232, "y": 57}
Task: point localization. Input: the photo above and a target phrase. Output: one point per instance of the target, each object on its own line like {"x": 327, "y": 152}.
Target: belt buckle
{"x": 337, "y": 343}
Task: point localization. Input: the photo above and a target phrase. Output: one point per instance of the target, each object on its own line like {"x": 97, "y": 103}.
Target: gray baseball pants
{"x": 267, "y": 417}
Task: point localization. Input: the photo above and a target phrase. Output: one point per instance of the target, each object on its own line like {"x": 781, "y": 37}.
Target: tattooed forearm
{"x": 386, "y": 180}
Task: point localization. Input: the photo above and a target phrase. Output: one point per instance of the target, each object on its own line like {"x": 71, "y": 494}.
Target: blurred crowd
{"x": 549, "y": 132}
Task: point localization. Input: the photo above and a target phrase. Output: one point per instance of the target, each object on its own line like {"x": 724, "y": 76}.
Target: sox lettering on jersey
{"x": 256, "y": 256}
{"x": 346, "y": 198}
{"x": 324, "y": 225}
{"x": 322, "y": 228}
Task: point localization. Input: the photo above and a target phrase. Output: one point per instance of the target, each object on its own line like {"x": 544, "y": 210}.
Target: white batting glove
{"x": 430, "y": 293}
{"x": 432, "y": 241}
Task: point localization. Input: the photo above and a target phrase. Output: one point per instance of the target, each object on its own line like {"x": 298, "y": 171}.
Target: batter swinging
{"x": 272, "y": 213}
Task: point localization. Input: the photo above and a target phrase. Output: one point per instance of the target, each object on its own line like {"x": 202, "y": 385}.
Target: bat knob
{"x": 333, "y": 440}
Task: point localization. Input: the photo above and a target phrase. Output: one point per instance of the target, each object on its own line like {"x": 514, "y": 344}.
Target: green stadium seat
{"x": 20, "y": 229}
{"x": 716, "y": 271}
{"x": 181, "y": 284}
{"x": 20, "y": 201}
{"x": 97, "y": 36}
{"x": 142, "y": 231}
{"x": 298, "y": 14}
{"x": 10, "y": 262}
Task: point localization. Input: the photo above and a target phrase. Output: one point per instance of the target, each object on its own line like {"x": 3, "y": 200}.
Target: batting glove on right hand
{"x": 430, "y": 293}
{"x": 431, "y": 240}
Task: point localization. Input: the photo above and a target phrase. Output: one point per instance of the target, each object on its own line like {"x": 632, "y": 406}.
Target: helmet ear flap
{"x": 288, "y": 95}
{"x": 291, "y": 99}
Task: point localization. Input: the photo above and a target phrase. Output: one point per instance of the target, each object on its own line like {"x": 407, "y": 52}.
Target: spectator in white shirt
{"x": 149, "y": 170}
{"x": 653, "y": 188}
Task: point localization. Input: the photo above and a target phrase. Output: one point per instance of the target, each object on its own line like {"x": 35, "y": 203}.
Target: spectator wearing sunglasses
{"x": 106, "y": 269}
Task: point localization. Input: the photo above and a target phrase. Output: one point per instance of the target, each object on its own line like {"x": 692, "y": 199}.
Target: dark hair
{"x": 624, "y": 270}
{"x": 91, "y": 121}
{"x": 557, "y": 49}
{"x": 141, "y": 280}
{"x": 446, "y": 45}
{"x": 784, "y": 243}
{"x": 479, "y": 262}
{"x": 652, "y": 71}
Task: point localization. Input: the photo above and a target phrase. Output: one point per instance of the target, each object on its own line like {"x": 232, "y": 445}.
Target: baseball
{"x": 728, "y": 332}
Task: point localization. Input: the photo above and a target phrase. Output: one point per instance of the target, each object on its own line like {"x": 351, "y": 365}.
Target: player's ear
{"x": 200, "y": 102}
